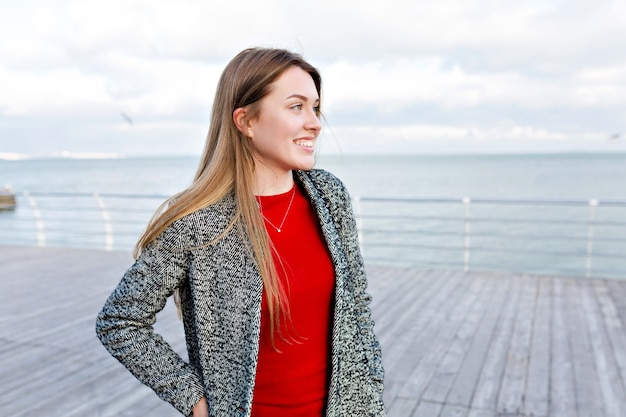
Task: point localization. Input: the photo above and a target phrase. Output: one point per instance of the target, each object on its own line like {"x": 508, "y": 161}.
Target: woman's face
{"x": 283, "y": 135}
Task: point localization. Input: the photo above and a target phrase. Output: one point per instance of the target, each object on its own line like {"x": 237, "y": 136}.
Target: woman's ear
{"x": 241, "y": 121}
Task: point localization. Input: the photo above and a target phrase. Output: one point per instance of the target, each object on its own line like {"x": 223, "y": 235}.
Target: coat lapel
{"x": 324, "y": 209}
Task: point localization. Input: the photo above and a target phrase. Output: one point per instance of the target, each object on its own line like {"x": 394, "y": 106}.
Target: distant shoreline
{"x": 11, "y": 156}
{"x": 8, "y": 156}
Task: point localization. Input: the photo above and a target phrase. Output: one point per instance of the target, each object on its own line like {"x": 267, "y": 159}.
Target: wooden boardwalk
{"x": 454, "y": 344}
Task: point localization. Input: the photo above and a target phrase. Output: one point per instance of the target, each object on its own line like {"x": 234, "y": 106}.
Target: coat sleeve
{"x": 349, "y": 235}
{"x": 125, "y": 324}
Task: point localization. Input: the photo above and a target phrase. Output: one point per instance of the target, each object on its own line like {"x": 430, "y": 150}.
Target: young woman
{"x": 261, "y": 254}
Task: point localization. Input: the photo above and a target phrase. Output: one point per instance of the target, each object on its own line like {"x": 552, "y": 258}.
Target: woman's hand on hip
{"x": 201, "y": 409}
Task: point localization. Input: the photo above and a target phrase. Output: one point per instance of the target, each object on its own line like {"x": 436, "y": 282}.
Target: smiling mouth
{"x": 307, "y": 143}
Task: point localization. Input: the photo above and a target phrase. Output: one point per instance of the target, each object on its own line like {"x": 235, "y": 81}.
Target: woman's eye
{"x": 297, "y": 107}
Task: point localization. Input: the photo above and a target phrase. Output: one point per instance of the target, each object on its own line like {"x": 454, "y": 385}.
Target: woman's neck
{"x": 268, "y": 182}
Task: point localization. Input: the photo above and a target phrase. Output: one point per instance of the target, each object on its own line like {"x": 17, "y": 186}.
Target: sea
{"x": 553, "y": 175}
{"x": 551, "y": 213}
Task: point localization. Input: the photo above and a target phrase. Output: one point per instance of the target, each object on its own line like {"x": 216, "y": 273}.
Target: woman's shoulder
{"x": 201, "y": 225}
{"x": 323, "y": 179}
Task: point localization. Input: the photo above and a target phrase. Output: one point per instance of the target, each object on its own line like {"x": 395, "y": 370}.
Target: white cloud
{"x": 601, "y": 87}
{"x": 507, "y": 65}
{"x": 391, "y": 86}
{"x": 448, "y": 139}
{"x": 397, "y": 84}
{"x": 27, "y": 93}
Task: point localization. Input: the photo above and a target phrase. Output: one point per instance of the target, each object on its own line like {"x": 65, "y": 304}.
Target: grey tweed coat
{"x": 221, "y": 291}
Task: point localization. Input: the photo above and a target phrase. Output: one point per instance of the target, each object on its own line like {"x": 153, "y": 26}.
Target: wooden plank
{"x": 511, "y": 395}
{"x": 537, "y": 392}
{"x": 617, "y": 292}
{"x": 427, "y": 409}
{"x": 418, "y": 364}
{"x": 488, "y": 385}
{"x": 456, "y": 350}
{"x": 68, "y": 388}
{"x": 389, "y": 281}
{"x": 477, "y": 412}
{"x": 138, "y": 401}
{"x": 562, "y": 385}
{"x": 403, "y": 353}
{"x": 411, "y": 317}
{"x": 452, "y": 410}
{"x": 433, "y": 342}
{"x": 610, "y": 382}
{"x": 402, "y": 407}
{"x": 401, "y": 303}
{"x": 29, "y": 374}
{"x": 616, "y": 328}
{"x": 585, "y": 374}
{"x": 474, "y": 362}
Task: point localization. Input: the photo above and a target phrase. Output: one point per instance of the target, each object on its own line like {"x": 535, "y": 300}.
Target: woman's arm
{"x": 125, "y": 324}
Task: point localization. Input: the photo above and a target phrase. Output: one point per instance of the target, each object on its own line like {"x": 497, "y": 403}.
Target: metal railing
{"x": 83, "y": 220}
{"x": 548, "y": 236}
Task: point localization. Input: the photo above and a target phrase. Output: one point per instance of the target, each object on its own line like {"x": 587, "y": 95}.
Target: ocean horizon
{"x": 437, "y": 227}
{"x": 541, "y": 174}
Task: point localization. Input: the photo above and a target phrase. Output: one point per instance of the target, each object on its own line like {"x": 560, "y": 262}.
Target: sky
{"x": 137, "y": 77}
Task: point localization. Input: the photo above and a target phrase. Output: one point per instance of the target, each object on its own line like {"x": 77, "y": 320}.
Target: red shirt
{"x": 293, "y": 380}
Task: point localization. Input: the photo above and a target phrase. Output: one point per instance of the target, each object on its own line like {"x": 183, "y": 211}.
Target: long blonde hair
{"x": 227, "y": 164}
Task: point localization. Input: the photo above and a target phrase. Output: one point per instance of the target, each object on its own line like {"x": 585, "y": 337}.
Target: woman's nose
{"x": 313, "y": 122}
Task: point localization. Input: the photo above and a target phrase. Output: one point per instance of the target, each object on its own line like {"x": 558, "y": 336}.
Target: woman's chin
{"x": 306, "y": 165}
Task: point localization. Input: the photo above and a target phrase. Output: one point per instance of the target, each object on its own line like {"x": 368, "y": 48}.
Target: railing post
{"x": 108, "y": 229}
{"x": 41, "y": 235}
{"x": 466, "y": 255}
{"x": 593, "y": 203}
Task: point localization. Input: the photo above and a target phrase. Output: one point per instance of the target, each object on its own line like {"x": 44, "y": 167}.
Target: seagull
{"x": 126, "y": 117}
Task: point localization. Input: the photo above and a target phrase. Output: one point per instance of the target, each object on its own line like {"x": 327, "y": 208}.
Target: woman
{"x": 262, "y": 256}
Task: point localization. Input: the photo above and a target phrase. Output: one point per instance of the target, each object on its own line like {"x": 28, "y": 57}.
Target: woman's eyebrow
{"x": 301, "y": 97}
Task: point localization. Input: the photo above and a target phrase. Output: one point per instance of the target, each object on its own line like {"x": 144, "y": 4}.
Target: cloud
{"x": 417, "y": 89}
{"x": 538, "y": 70}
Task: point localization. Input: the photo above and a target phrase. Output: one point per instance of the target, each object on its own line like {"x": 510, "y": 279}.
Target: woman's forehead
{"x": 294, "y": 82}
